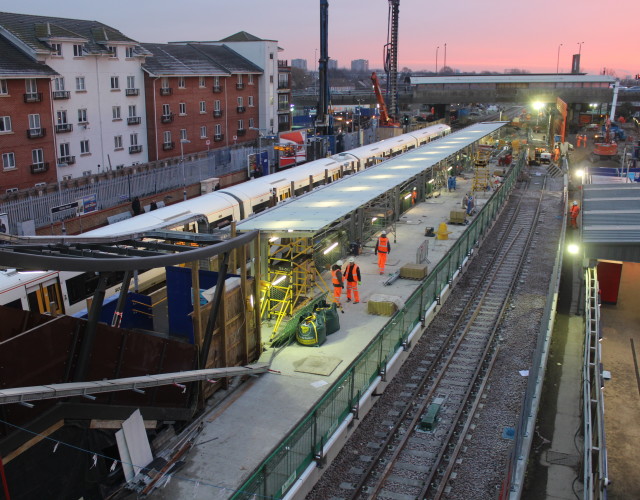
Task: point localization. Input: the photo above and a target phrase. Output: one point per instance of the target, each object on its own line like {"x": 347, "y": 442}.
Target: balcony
{"x": 168, "y": 146}
{"x": 217, "y": 113}
{"x": 131, "y": 91}
{"x": 216, "y": 89}
{"x": 64, "y": 127}
{"x": 135, "y": 149}
{"x": 218, "y": 137}
{"x": 239, "y": 86}
{"x": 241, "y": 131}
{"x": 63, "y": 161}
{"x": 167, "y": 118}
{"x": 241, "y": 109}
{"x": 134, "y": 120}
{"x": 33, "y": 97}
{"x": 61, "y": 94}
{"x": 166, "y": 91}
{"x": 35, "y": 133}
{"x": 38, "y": 168}
{"x": 284, "y": 107}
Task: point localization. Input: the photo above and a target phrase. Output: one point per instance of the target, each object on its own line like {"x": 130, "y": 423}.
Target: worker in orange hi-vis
{"x": 578, "y": 140}
{"x": 352, "y": 274}
{"x": 574, "y": 211}
{"x": 414, "y": 196}
{"x": 383, "y": 248}
{"x": 584, "y": 141}
{"x": 556, "y": 154}
{"x": 336, "y": 280}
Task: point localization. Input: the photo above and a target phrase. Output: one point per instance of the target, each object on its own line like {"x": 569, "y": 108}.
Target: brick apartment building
{"x": 199, "y": 97}
{"x": 26, "y": 137}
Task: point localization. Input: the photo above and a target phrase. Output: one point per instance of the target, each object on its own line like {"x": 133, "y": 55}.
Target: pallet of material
{"x": 414, "y": 271}
{"x": 383, "y": 305}
{"x": 457, "y": 217}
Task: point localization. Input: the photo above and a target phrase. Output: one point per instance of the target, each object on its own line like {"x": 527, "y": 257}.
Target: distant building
{"x": 333, "y": 64}
{"x": 299, "y": 63}
{"x": 360, "y": 65}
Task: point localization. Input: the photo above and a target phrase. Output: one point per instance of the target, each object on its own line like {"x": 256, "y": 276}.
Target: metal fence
{"x": 275, "y": 476}
{"x": 114, "y": 191}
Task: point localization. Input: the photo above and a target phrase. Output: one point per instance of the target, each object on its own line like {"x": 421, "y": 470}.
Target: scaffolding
{"x": 481, "y": 169}
{"x": 292, "y": 278}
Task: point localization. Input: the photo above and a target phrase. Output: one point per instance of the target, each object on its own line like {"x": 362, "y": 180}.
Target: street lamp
{"x": 558, "y": 61}
{"x": 438, "y": 47}
{"x": 580, "y": 47}
{"x": 184, "y": 177}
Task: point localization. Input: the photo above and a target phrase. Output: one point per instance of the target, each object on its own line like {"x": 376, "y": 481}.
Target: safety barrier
{"x": 275, "y": 476}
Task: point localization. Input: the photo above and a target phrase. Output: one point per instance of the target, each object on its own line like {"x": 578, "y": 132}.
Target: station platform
{"x": 239, "y": 435}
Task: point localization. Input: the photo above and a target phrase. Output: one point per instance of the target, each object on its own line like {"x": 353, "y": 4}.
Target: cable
{"x": 196, "y": 482}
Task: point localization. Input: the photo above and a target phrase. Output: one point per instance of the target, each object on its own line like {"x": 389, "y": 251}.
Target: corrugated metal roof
{"x": 611, "y": 216}
{"x": 551, "y": 78}
{"x": 312, "y": 212}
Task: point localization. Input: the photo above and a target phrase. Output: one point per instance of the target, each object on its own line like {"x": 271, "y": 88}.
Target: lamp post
{"x": 558, "y": 61}
{"x": 184, "y": 177}
{"x": 444, "y": 64}
{"x": 438, "y": 47}
{"x": 580, "y": 47}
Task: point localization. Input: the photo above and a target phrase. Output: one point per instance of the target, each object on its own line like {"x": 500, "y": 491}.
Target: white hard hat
{"x": 383, "y": 233}
{"x": 339, "y": 263}
{"x": 351, "y": 259}
{"x": 575, "y": 202}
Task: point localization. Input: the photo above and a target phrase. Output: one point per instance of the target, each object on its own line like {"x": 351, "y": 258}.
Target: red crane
{"x": 385, "y": 119}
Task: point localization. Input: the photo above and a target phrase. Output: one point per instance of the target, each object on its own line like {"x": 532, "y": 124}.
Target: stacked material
{"x": 383, "y": 305}
{"x": 457, "y": 216}
{"x": 414, "y": 271}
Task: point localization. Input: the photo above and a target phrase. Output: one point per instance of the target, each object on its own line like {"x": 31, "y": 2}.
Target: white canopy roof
{"x": 313, "y": 211}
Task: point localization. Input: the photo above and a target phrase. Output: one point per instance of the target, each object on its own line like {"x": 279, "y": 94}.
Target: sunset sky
{"x": 492, "y": 35}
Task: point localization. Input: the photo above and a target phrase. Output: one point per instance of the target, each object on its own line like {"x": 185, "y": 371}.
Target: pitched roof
{"x": 195, "y": 59}
{"x": 37, "y": 31}
{"x": 242, "y": 36}
{"x": 16, "y": 64}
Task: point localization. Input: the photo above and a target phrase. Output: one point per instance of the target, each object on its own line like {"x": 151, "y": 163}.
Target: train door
{"x": 284, "y": 194}
{"x": 45, "y": 297}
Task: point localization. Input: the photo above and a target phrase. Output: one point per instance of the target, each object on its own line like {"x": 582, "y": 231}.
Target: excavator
{"x": 607, "y": 150}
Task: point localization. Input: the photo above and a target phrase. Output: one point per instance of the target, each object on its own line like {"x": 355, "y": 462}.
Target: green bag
{"x": 312, "y": 331}
{"x": 331, "y": 316}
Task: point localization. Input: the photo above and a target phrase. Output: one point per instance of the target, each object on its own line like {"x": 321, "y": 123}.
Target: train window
{"x": 16, "y": 304}
{"x": 84, "y": 285}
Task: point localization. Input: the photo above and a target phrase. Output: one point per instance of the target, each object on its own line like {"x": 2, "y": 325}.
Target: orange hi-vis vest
{"x": 336, "y": 280}
{"x": 383, "y": 244}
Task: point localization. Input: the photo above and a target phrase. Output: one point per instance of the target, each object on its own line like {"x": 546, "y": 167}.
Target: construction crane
{"x": 385, "y": 119}
{"x": 391, "y": 57}
{"x": 323, "y": 120}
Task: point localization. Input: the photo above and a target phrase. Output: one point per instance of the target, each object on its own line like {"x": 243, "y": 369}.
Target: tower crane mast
{"x": 391, "y": 57}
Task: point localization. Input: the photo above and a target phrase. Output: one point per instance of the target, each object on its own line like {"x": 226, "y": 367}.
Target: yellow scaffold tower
{"x": 292, "y": 275}
{"x": 481, "y": 173}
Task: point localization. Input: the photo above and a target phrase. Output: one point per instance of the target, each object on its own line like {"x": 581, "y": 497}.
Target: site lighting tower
{"x": 184, "y": 177}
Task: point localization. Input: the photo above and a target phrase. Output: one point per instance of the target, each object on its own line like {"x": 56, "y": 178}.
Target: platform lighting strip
{"x": 331, "y": 247}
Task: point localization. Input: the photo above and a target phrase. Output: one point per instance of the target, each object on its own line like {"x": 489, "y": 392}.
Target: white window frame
{"x": 250, "y": 101}
{"x": 65, "y": 149}
{"x": 183, "y": 134}
{"x": 133, "y": 139}
{"x": 80, "y": 84}
{"x": 217, "y": 105}
{"x": 56, "y": 49}
{"x": 164, "y": 82}
{"x": 239, "y": 78}
{"x": 82, "y": 115}
{"x": 166, "y": 137}
{"x": 241, "y": 124}
{"x": 203, "y": 132}
{"x": 216, "y": 82}
{"x": 78, "y": 50}
{"x": 61, "y": 117}
{"x": 117, "y": 142}
{"x": 37, "y": 155}
{"x": 5, "y": 124}
{"x": 182, "y": 108}
{"x": 31, "y": 85}
{"x": 218, "y": 129}
{"x": 166, "y": 110}
{"x": 251, "y": 123}
{"x": 203, "y": 107}
{"x": 34, "y": 122}
{"x": 131, "y": 82}
{"x": 8, "y": 161}
{"x": 240, "y": 101}
{"x": 58, "y": 83}
{"x": 113, "y": 51}
{"x": 128, "y": 52}
{"x": 202, "y": 82}
{"x": 84, "y": 147}
{"x": 4, "y": 88}
{"x": 132, "y": 111}
{"x": 250, "y": 78}
{"x": 182, "y": 83}
{"x": 116, "y": 113}
{"x": 115, "y": 83}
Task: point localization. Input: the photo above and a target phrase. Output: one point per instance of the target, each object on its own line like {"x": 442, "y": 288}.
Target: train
{"x": 53, "y": 292}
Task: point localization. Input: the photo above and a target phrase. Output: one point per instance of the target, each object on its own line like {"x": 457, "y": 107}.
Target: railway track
{"x": 417, "y": 429}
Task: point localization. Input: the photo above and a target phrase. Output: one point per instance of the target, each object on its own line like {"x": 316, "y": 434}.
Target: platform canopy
{"x": 313, "y": 211}
{"x": 611, "y": 221}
